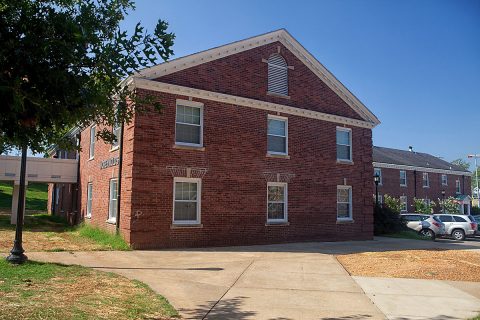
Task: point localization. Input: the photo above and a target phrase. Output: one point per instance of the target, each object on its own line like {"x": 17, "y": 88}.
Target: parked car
{"x": 426, "y": 225}
{"x": 459, "y": 226}
{"x": 477, "y": 220}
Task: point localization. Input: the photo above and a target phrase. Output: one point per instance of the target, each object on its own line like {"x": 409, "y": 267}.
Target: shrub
{"x": 475, "y": 211}
{"x": 450, "y": 204}
{"x": 387, "y": 221}
{"x": 421, "y": 206}
{"x": 392, "y": 203}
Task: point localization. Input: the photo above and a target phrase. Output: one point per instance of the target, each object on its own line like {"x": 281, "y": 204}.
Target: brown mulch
{"x": 436, "y": 264}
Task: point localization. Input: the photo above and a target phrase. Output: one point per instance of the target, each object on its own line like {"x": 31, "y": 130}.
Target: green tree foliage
{"x": 450, "y": 205}
{"x": 461, "y": 163}
{"x": 62, "y": 65}
{"x": 421, "y": 206}
{"x": 392, "y": 203}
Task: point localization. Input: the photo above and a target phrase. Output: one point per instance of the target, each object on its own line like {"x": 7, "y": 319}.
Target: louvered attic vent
{"x": 277, "y": 75}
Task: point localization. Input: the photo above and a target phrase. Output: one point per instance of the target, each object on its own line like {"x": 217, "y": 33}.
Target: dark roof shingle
{"x": 412, "y": 158}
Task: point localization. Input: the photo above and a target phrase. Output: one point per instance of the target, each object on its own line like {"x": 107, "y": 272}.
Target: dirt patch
{"x": 456, "y": 265}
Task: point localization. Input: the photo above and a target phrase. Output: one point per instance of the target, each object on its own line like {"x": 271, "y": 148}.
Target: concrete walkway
{"x": 290, "y": 281}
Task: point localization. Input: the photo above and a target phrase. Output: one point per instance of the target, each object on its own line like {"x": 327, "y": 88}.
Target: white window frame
{"x": 349, "y": 130}
{"x": 458, "y": 186}
{"x": 380, "y": 182}
{"x": 350, "y": 202}
{"x": 93, "y": 131}
{"x": 444, "y": 181}
{"x": 89, "y": 199}
{"x": 285, "y": 202}
{"x": 403, "y": 202}
{"x": 279, "y": 118}
{"x": 425, "y": 174}
{"x": 191, "y": 104}
{"x": 111, "y": 218}
{"x": 403, "y": 184}
{"x": 198, "y": 181}
{"x": 116, "y": 130}
{"x": 270, "y": 76}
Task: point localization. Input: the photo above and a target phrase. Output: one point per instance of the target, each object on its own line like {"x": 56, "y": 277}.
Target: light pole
{"x": 376, "y": 179}
{"x": 475, "y": 156}
{"x": 443, "y": 201}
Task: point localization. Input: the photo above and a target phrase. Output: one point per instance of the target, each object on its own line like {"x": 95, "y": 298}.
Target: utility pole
{"x": 475, "y": 156}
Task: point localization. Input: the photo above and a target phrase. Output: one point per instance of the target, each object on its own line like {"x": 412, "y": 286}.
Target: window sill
{"x": 186, "y": 226}
{"x": 426, "y": 187}
{"x": 88, "y": 217}
{"x": 279, "y": 223}
{"x": 273, "y": 94}
{"x": 279, "y": 156}
{"x": 403, "y": 185}
{"x": 340, "y": 161}
{"x": 111, "y": 221}
{"x": 92, "y": 158}
{"x": 182, "y": 147}
{"x": 344, "y": 221}
{"x": 115, "y": 148}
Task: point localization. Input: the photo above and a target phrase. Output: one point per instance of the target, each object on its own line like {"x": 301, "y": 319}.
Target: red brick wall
{"x": 234, "y": 188}
{"x": 245, "y": 75}
{"x": 391, "y": 186}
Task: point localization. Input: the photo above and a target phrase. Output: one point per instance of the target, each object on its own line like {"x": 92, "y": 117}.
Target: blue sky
{"x": 415, "y": 64}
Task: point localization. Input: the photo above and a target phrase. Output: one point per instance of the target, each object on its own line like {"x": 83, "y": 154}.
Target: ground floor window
{"x": 89, "y": 199}
{"x": 344, "y": 203}
{"x": 186, "y": 200}
{"x": 403, "y": 204}
{"x": 276, "y": 202}
{"x": 112, "y": 206}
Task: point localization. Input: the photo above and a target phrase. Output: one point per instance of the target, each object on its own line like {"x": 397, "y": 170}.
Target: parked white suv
{"x": 425, "y": 224}
{"x": 458, "y": 226}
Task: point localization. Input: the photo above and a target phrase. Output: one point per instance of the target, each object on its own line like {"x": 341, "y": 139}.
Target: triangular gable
{"x": 281, "y": 36}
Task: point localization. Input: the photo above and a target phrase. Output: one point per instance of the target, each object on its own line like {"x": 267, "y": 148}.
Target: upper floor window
{"x": 277, "y": 135}
{"x": 426, "y": 181}
{"x": 189, "y": 123}
{"x": 403, "y": 178}
{"x": 276, "y": 202}
{"x": 444, "y": 180}
{"x": 378, "y": 172}
{"x": 277, "y": 75}
{"x": 458, "y": 186}
{"x": 116, "y": 130}
{"x": 344, "y": 203}
{"x": 92, "y": 141}
{"x": 344, "y": 144}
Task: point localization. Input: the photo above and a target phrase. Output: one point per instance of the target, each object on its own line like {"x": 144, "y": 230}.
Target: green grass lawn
{"x": 51, "y": 291}
{"x": 37, "y": 195}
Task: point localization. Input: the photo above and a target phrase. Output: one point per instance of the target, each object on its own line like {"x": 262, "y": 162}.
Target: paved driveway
{"x": 289, "y": 281}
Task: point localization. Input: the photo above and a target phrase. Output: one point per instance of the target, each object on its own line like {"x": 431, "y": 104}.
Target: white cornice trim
{"x": 423, "y": 169}
{"x": 236, "y": 47}
{"x": 246, "y": 102}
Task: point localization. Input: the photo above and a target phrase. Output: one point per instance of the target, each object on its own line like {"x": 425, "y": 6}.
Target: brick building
{"x": 257, "y": 143}
{"x": 409, "y": 174}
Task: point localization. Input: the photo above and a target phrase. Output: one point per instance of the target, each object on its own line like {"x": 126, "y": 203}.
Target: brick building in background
{"x": 409, "y": 174}
{"x": 257, "y": 143}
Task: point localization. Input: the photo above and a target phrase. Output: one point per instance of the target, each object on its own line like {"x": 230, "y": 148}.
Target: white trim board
{"x": 246, "y": 102}
{"x": 281, "y": 36}
{"x": 422, "y": 169}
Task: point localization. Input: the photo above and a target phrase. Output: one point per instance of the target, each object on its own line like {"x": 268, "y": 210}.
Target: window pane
{"x": 276, "y": 193}
{"x": 276, "y": 127}
{"x": 459, "y": 219}
{"x": 343, "y": 210}
{"x": 343, "y": 137}
{"x": 277, "y": 144}
{"x": 276, "y": 211}
{"x": 185, "y": 211}
{"x": 445, "y": 218}
{"x": 343, "y": 195}
{"x": 187, "y": 133}
{"x": 343, "y": 152}
{"x": 185, "y": 191}
{"x": 188, "y": 115}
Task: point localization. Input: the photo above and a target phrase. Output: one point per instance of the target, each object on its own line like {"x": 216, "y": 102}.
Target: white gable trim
{"x": 236, "y": 47}
{"x": 246, "y": 102}
{"x": 422, "y": 169}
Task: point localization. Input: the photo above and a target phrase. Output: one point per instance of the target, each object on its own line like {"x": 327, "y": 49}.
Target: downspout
{"x": 415, "y": 182}
{"x": 120, "y": 166}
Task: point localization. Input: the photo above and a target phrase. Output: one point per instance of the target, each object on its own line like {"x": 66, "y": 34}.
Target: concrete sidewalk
{"x": 288, "y": 281}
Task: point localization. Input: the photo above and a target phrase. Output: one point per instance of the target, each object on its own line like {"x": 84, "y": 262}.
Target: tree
{"x": 461, "y": 163}
{"x": 421, "y": 206}
{"x": 62, "y": 65}
{"x": 392, "y": 203}
{"x": 449, "y": 205}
